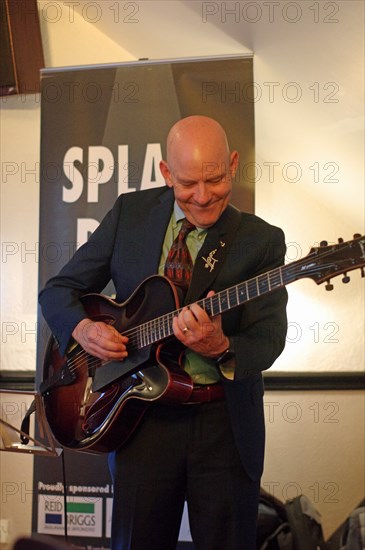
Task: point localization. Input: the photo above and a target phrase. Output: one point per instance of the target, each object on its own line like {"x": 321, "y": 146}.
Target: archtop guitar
{"x": 94, "y": 406}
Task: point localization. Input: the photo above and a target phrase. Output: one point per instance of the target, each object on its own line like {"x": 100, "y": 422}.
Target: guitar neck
{"x": 246, "y": 291}
{"x": 158, "y": 329}
{"x": 320, "y": 265}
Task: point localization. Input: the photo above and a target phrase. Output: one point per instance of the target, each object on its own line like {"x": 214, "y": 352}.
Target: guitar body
{"x": 95, "y": 406}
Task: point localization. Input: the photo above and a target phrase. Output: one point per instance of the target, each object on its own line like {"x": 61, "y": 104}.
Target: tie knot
{"x": 186, "y": 227}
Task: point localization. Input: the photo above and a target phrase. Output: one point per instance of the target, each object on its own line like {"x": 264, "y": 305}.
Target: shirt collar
{"x": 179, "y": 216}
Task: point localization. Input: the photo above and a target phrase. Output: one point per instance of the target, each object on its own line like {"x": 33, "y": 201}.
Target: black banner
{"x": 103, "y": 133}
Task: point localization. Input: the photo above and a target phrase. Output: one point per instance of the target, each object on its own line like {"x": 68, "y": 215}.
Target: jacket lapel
{"x": 211, "y": 257}
{"x": 156, "y": 225}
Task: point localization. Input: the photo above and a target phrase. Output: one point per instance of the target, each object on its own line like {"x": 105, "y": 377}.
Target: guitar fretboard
{"x": 160, "y": 328}
{"x": 320, "y": 264}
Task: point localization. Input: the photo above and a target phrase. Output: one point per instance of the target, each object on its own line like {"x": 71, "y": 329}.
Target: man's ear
{"x": 165, "y": 171}
{"x": 234, "y": 158}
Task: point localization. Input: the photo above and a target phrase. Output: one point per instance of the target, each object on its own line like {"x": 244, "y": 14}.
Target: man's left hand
{"x": 199, "y": 332}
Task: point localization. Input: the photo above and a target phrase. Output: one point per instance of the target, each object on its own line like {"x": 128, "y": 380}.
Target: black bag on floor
{"x": 273, "y": 531}
{"x": 295, "y": 525}
{"x": 353, "y": 533}
{"x": 305, "y": 524}
{"x": 350, "y": 535}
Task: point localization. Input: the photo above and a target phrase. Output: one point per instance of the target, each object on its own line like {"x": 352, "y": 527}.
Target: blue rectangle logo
{"x": 55, "y": 519}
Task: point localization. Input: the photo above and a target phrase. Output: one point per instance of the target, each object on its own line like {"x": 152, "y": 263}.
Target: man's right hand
{"x": 101, "y": 340}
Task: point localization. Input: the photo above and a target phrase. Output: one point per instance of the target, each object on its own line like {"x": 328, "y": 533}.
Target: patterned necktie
{"x": 179, "y": 265}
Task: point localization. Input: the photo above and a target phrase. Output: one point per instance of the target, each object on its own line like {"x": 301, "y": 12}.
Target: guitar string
{"x": 76, "y": 361}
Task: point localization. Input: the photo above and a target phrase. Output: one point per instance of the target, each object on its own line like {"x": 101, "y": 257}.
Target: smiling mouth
{"x": 206, "y": 206}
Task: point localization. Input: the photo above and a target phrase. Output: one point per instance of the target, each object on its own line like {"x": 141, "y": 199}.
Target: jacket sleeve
{"x": 87, "y": 271}
{"x": 259, "y": 335}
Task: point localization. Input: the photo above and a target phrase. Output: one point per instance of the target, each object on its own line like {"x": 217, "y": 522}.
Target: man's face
{"x": 202, "y": 189}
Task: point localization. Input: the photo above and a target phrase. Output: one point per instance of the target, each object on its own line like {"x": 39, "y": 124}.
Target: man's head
{"x": 199, "y": 167}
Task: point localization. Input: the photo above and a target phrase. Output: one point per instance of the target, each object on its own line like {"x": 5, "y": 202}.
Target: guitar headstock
{"x": 328, "y": 261}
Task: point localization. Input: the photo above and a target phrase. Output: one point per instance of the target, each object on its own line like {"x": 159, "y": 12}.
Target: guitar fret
{"x": 278, "y": 278}
{"x": 169, "y": 319}
{"x": 161, "y": 330}
{"x": 242, "y": 292}
{"x": 163, "y": 326}
{"x": 275, "y": 279}
{"x": 147, "y": 332}
{"x": 263, "y": 283}
{"x": 229, "y": 303}
{"x": 225, "y": 301}
{"x": 144, "y": 335}
{"x": 213, "y": 305}
{"x": 139, "y": 336}
{"x": 233, "y": 297}
{"x": 155, "y": 331}
{"x": 209, "y": 307}
{"x": 281, "y": 276}
{"x": 251, "y": 289}
{"x": 150, "y": 333}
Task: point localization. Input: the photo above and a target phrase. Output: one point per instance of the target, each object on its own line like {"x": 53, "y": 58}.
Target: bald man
{"x": 208, "y": 450}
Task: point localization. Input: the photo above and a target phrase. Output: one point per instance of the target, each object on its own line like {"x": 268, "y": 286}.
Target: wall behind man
{"x": 308, "y": 95}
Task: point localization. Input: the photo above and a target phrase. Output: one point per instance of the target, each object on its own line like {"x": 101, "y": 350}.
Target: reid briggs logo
{"x": 81, "y": 514}
{"x": 53, "y": 512}
{"x": 84, "y": 518}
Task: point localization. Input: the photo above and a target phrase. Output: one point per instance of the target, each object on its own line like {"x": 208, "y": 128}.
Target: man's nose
{"x": 202, "y": 193}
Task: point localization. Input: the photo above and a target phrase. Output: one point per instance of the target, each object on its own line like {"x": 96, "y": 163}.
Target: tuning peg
{"x": 345, "y": 278}
{"x": 323, "y": 243}
{"x": 328, "y": 286}
{"x": 340, "y": 240}
{"x": 357, "y": 235}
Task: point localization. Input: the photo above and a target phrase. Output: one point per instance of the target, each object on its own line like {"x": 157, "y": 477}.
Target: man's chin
{"x": 206, "y": 219}
{"x": 204, "y": 222}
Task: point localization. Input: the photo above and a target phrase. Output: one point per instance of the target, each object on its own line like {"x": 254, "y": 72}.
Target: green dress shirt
{"x": 201, "y": 369}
